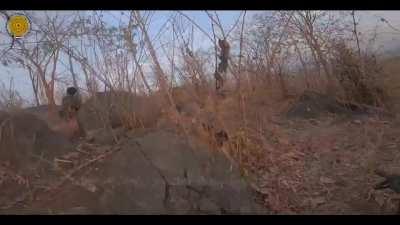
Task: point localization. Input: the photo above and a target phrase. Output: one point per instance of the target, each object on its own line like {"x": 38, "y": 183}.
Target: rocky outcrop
{"x": 155, "y": 173}
{"x": 25, "y": 138}
{"x": 161, "y": 173}
{"x": 118, "y": 109}
{"x": 313, "y": 104}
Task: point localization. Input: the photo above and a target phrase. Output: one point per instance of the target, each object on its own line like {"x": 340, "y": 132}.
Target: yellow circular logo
{"x": 18, "y": 26}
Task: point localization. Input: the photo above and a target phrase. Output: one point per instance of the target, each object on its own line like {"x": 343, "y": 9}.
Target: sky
{"x": 369, "y": 20}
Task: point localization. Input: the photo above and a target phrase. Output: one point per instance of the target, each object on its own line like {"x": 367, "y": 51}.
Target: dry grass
{"x": 359, "y": 76}
{"x": 265, "y": 144}
{"x": 10, "y": 99}
{"x": 291, "y": 163}
{"x": 278, "y": 156}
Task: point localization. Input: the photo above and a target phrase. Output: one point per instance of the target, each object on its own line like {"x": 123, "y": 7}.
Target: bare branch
{"x": 194, "y": 23}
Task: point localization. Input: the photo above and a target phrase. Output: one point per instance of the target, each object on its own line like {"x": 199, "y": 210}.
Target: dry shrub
{"x": 10, "y": 99}
{"x": 264, "y": 152}
{"x": 360, "y": 77}
{"x": 260, "y": 148}
{"x": 183, "y": 95}
{"x": 246, "y": 149}
{"x": 301, "y": 82}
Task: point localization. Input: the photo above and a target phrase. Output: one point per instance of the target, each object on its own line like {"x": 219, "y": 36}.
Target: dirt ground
{"x": 332, "y": 160}
{"x": 337, "y": 174}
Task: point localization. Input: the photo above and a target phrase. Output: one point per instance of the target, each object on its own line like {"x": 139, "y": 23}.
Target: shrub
{"x": 359, "y": 76}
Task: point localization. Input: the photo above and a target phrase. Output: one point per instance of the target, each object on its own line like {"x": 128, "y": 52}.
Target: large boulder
{"x": 162, "y": 172}
{"x": 171, "y": 176}
{"x": 117, "y": 109}
{"x": 26, "y": 138}
{"x": 68, "y": 127}
{"x": 313, "y": 104}
{"x": 156, "y": 173}
{"x": 42, "y": 112}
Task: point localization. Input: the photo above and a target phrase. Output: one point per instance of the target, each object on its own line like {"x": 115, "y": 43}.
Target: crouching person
{"x": 71, "y": 103}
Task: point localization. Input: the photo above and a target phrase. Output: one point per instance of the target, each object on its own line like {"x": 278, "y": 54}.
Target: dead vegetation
{"x": 304, "y": 113}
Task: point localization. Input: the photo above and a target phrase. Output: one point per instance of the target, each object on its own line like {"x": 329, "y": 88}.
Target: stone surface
{"x": 118, "y": 109}
{"x": 161, "y": 174}
{"x": 158, "y": 173}
{"x": 25, "y": 137}
{"x": 312, "y": 104}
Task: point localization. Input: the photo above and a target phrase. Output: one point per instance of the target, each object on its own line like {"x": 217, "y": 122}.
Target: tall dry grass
{"x": 10, "y": 99}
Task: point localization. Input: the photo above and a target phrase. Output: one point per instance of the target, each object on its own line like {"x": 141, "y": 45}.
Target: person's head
{"x": 71, "y": 91}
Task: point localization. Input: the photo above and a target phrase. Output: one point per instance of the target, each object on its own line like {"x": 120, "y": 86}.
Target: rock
{"x": 105, "y": 136}
{"x": 190, "y": 109}
{"x": 118, "y": 109}
{"x": 25, "y": 138}
{"x": 160, "y": 173}
{"x": 312, "y": 104}
{"x": 67, "y": 127}
{"x": 207, "y": 206}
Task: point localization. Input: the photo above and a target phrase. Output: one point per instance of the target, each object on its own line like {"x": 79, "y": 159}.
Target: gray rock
{"x": 161, "y": 174}
{"x": 25, "y": 137}
{"x": 312, "y": 104}
{"x": 117, "y": 109}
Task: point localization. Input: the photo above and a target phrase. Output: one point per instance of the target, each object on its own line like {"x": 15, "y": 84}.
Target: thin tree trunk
{"x": 160, "y": 73}
{"x": 73, "y": 74}
{"x": 355, "y": 33}
{"x": 34, "y": 85}
{"x": 142, "y": 74}
{"x": 241, "y": 52}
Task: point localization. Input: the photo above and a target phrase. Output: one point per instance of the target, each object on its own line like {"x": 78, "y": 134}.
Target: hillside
{"x": 279, "y": 113}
